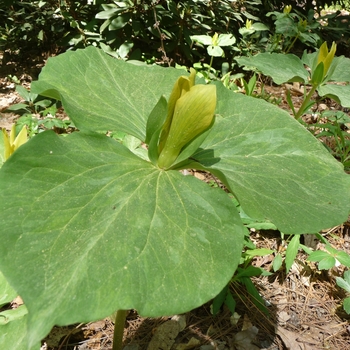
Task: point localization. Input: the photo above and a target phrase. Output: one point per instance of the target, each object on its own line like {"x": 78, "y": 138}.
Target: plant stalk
{"x": 119, "y": 329}
{"x": 305, "y": 102}
{"x": 293, "y": 42}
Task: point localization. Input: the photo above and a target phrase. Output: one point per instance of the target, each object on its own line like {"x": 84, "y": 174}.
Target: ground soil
{"x": 305, "y": 305}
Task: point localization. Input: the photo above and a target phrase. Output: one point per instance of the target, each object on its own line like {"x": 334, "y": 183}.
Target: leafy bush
{"x": 89, "y": 227}
{"x": 39, "y": 26}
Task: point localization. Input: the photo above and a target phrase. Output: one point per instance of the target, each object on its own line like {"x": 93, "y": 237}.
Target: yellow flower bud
{"x": 287, "y": 9}
{"x": 12, "y": 143}
{"x": 326, "y": 56}
{"x": 215, "y": 39}
{"x": 190, "y": 112}
{"x": 248, "y": 24}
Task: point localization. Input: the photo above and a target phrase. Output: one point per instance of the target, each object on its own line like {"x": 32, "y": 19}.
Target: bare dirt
{"x": 305, "y": 305}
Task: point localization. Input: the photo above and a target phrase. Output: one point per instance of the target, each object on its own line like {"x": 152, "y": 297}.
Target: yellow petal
{"x": 7, "y": 145}
{"x": 13, "y": 134}
{"x": 21, "y": 138}
{"x": 215, "y": 39}
{"x": 181, "y": 86}
{"x": 322, "y": 53}
{"x": 329, "y": 58}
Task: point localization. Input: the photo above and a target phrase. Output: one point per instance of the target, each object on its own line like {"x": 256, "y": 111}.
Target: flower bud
{"x": 12, "y": 143}
{"x": 287, "y": 9}
{"x": 190, "y": 112}
{"x": 325, "y": 57}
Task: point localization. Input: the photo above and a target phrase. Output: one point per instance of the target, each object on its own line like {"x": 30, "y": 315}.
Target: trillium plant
{"x": 319, "y": 72}
{"x": 90, "y": 226}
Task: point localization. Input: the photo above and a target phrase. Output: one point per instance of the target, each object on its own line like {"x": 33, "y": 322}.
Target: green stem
{"x": 211, "y": 62}
{"x": 293, "y": 42}
{"x": 306, "y": 102}
{"x": 119, "y": 329}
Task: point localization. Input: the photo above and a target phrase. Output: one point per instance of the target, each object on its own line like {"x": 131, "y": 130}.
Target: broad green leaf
{"x": 292, "y": 251}
{"x": 339, "y": 70}
{"x": 89, "y": 228}
{"x": 100, "y": 93}
{"x": 280, "y": 67}
{"x": 275, "y": 168}
{"x": 339, "y": 93}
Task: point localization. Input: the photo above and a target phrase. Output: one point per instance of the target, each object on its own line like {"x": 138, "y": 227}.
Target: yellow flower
{"x": 12, "y": 143}
{"x": 248, "y": 24}
{"x": 190, "y": 112}
{"x": 287, "y": 9}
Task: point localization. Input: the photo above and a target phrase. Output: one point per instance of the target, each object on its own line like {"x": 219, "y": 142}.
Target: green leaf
{"x": 11, "y": 315}
{"x": 202, "y": 39}
{"x": 343, "y": 284}
{"x": 119, "y": 22}
{"x": 339, "y": 71}
{"x": 275, "y": 168}
{"x": 101, "y": 93}
{"x": 219, "y": 300}
{"x": 230, "y": 302}
{"x": 346, "y": 305}
{"x": 326, "y": 263}
{"x": 339, "y": 93}
{"x": 343, "y": 258}
{"x": 280, "y": 67}
{"x": 292, "y": 251}
{"x": 259, "y": 252}
{"x": 318, "y": 255}
{"x": 13, "y": 330}
{"x": 215, "y": 51}
{"x": 156, "y": 118}
{"x": 254, "y": 294}
{"x": 13, "y": 326}
{"x": 23, "y": 92}
{"x": 226, "y": 40}
{"x": 277, "y": 262}
{"x": 7, "y": 293}
{"x": 317, "y": 74}
{"x": 109, "y": 231}
{"x": 324, "y": 259}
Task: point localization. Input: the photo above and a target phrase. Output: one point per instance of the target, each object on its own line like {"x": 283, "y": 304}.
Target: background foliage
{"x": 157, "y": 30}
